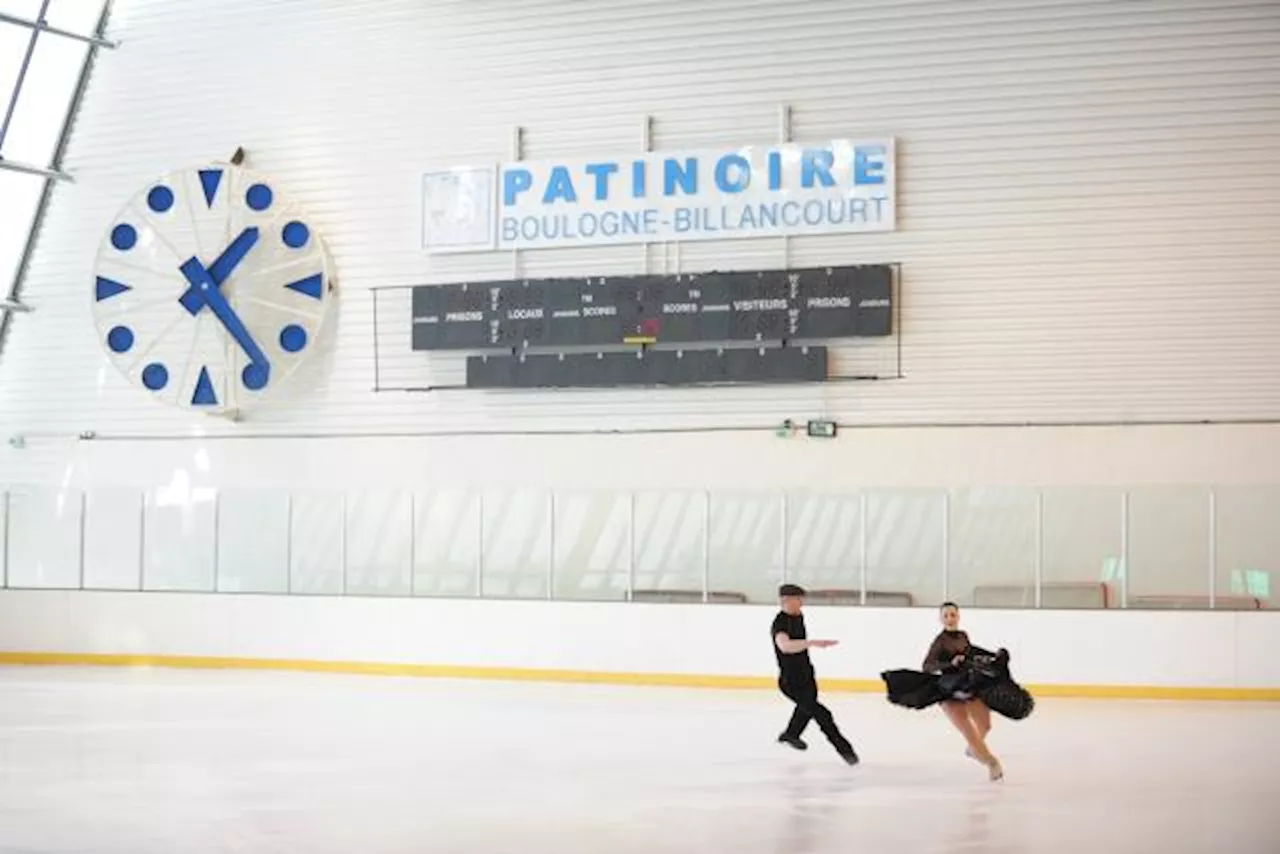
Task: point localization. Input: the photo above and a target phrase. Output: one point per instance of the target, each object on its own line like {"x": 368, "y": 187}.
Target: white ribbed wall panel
{"x": 1089, "y": 220}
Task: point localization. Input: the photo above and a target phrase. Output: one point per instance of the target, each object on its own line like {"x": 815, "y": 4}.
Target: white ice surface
{"x": 174, "y": 762}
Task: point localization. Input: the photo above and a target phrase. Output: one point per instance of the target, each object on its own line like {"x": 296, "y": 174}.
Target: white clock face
{"x": 210, "y": 289}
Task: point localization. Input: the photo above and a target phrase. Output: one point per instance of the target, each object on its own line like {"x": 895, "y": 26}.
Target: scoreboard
{"x": 810, "y": 304}
{"x": 709, "y": 366}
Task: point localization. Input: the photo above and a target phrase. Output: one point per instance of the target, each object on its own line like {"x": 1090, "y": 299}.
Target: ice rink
{"x": 187, "y": 761}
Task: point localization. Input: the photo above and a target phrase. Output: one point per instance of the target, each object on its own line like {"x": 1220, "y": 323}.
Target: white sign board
{"x": 846, "y": 186}
{"x": 457, "y": 209}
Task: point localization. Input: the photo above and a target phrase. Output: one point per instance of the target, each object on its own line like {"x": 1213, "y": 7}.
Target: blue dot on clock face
{"x": 120, "y": 339}
{"x": 160, "y": 199}
{"x": 124, "y": 237}
{"x": 259, "y": 197}
{"x": 295, "y": 235}
{"x": 293, "y": 338}
{"x": 255, "y": 377}
{"x": 155, "y": 376}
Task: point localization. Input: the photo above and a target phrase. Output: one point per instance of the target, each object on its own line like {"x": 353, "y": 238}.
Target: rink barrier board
{"x": 518, "y": 674}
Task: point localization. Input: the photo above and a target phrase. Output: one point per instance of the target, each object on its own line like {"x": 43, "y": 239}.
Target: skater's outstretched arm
{"x": 790, "y": 647}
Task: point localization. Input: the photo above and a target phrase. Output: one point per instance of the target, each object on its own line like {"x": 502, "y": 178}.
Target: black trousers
{"x": 804, "y": 693}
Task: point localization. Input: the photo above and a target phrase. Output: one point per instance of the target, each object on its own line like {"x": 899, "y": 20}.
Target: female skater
{"x": 967, "y": 713}
{"x": 969, "y": 682}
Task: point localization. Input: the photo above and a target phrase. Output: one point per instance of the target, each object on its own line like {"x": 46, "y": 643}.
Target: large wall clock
{"x": 210, "y": 288}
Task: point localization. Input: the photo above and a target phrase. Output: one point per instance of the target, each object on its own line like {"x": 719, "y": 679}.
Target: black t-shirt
{"x": 794, "y": 666}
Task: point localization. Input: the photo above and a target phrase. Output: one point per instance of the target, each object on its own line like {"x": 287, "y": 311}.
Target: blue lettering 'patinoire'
{"x": 515, "y": 182}
{"x": 733, "y": 173}
{"x": 683, "y": 175}
{"x": 775, "y": 170}
{"x": 816, "y": 163}
{"x": 559, "y": 187}
{"x": 637, "y": 179}
{"x": 675, "y": 176}
{"x": 601, "y": 172}
{"x": 868, "y": 164}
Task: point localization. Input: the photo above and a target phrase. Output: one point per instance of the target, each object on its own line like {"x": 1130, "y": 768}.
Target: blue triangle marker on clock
{"x": 209, "y": 180}
{"x": 311, "y": 286}
{"x": 204, "y": 394}
{"x": 108, "y": 288}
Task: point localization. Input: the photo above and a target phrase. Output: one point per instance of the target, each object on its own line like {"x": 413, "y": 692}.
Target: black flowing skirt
{"x": 983, "y": 675}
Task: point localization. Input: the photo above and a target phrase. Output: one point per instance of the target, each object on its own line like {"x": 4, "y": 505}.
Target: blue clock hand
{"x": 221, "y": 268}
{"x": 207, "y": 291}
{"x": 225, "y": 264}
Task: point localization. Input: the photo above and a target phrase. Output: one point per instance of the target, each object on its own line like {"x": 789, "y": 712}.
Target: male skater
{"x": 796, "y": 678}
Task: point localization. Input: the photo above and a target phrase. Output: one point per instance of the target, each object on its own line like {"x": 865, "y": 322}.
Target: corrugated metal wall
{"x": 1089, "y": 191}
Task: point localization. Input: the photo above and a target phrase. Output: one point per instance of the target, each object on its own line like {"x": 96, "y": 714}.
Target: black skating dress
{"x": 982, "y": 674}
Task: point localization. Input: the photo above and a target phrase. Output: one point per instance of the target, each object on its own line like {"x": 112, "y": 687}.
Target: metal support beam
{"x": 631, "y": 546}
{"x": 784, "y": 137}
{"x": 4, "y": 540}
{"x": 22, "y": 74}
{"x": 1039, "y": 565}
{"x": 346, "y": 520}
{"x": 517, "y": 154}
{"x": 288, "y": 545}
{"x": 946, "y": 546}
{"x": 646, "y": 145}
{"x": 551, "y": 545}
{"x": 706, "y": 546}
{"x": 43, "y": 27}
{"x": 1124, "y": 550}
{"x": 32, "y": 169}
{"x": 862, "y": 547}
{"x": 84, "y": 509}
{"x": 1213, "y": 549}
{"x": 785, "y": 543}
{"x": 55, "y": 165}
{"x": 480, "y": 546}
{"x": 413, "y": 543}
{"x": 217, "y": 552}
{"x": 142, "y": 543}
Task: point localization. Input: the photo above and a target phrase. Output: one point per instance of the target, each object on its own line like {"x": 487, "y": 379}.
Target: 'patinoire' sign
{"x": 713, "y": 194}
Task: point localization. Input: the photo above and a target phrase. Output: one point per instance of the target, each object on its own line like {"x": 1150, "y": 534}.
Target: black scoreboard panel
{"x": 587, "y": 313}
{"x": 450, "y": 318}
{"x": 858, "y": 303}
{"x": 812, "y": 304}
{"x": 648, "y": 368}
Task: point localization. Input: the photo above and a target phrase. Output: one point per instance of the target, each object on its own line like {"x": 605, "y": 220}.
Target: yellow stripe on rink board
{"x": 1154, "y": 692}
{"x": 519, "y": 674}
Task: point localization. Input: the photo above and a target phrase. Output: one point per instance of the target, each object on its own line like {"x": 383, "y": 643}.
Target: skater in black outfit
{"x": 969, "y": 682}
{"x": 796, "y": 678}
